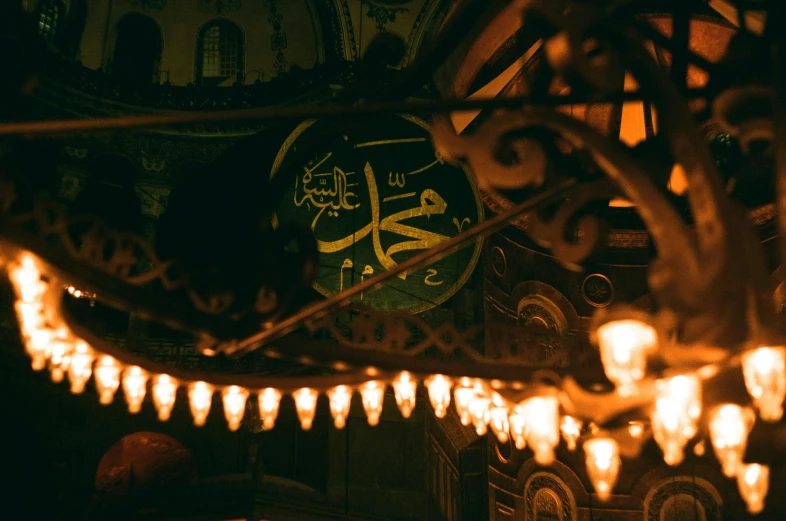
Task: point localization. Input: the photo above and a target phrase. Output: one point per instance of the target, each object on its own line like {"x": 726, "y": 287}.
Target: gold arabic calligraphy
{"x": 332, "y": 193}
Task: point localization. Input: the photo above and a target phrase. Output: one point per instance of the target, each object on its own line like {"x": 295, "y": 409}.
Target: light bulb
{"x": 405, "y": 389}
{"x": 30, "y": 317}
{"x": 764, "y": 370}
{"x": 25, "y": 273}
{"x": 462, "y": 396}
{"x": 234, "y": 399}
{"x": 729, "y": 425}
{"x": 268, "y": 401}
{"x": 59, "y": 359}
{"x": 571, "y": 431}
{"x": 675, "y": 416}
{"x": 372, "y": 394}
{"x": 81, "y": 367}
{"x": 164, "y": 393}
{"x": 107, "y": 377}
{"x": 39, "y": 347}
{"x": 200, "y": 398}
{"x": 603, "y": 465}
{"x": 439, "y": 393}
{"x": 340, "y": 398}
{"x": 519, "y": 430}
{"x": 624, "y": 345}
{"x": 479, "y": 412}
{"x": 306, "y": 406}
{"x": 134, "y": 387}
{"x": 753, "y": 482}
{"x": 541, "y": 414}
{"x": 498, "y": 418}
{"x": 635, "y": 429}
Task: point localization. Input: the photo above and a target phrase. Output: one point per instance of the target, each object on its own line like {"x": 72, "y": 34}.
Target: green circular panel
{"x": 376, "y": 197}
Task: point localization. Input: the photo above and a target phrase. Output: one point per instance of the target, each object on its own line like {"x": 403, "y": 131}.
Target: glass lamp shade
{"x": 753, "y": 482}
{"x": 234, "y": 399}
{"x": 306, "y": 406}
{"x": 164, "y": 393}
{"x": 519, "y": 430}
{"x": 624, "y": 346}
{"x": 729, "y": 426}
{"x": 463, "y": 393}
{"x": 439, "y": 393}
{"x": 405, "y": 389}
{"x": 81, "y": 367}
{"x": 268, "y": 400}
{"x": 200, "y": 398}
{"x": 340, "y": 398}
{"x": 603, "y": 465}
{"x": 107, "y": 378}
{"x": 764, "y": 370}
{"x": 498, "y": 418}
{"x": 372, "y": 395}
{"x": 541, "y": 415}
{"x": 134, "y": 387}
{"x": 571, "y": 431}
{"x": 675, "y": 415}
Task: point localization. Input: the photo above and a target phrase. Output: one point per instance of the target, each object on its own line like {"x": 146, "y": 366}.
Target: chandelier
{"x": 708, "y": 364}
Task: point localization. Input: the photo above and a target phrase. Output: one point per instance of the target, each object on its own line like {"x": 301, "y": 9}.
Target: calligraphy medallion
{"x": 376, "y": 197}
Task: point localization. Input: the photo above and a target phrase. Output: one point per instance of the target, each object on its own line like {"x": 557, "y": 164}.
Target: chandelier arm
{"x": 320, "y": 309}
{"x": 31, "y": 129}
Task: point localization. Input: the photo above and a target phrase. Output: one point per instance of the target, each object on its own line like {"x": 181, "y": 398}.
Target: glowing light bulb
{"x": 25, "y": 273}
{"x": 462, "y": 396}
{"x": 405, "y": 389}
{"x": 603, "y": 465}
{"x": 541, "y": 414}
{"x": 571, "y": 431}
{"x": 164, "y": 394}
{"x": 764, "y": 370}
{"x": 753, "y": 482}
{"x": 729, "y": 426}
{"x": 134, "y": 387}
{"x": 439, "y": 393}
{"x": 107, "y": 377}
{"x": 30, "y": 317}
{"x": 234, "y": 399}
{"x": 39, "y": 347}
{"x": 340, "y": 398}
{"x": 675, "y": 416}
{"x": 519, "y": 430}
{"x": 59, "y": 359}
{"x": 200, "y": 398}
{"x": 372, "y": 394}
{"x": 479, "y": 411}
{"x": 624, "y": 345}
{"x": 81, "y": 367}
{"x": 268, "y": 400}
{"x": 306, "y": 405}
{"x": 498, "y": 418}
{"x": 635, "y": 429}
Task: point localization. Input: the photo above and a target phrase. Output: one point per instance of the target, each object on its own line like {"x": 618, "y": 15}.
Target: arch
{"x": 680, "y": 492}
{"x": 138, "y": 46}
{"x": 220, "y": 53}
{"x": 548, "y": 498}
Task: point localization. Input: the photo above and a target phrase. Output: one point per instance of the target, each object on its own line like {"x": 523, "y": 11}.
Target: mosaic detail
{"x": 383, "y": 12}
{"x": 278, "y": 40}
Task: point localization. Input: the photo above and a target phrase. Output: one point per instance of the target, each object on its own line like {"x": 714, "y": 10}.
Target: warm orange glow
{"x": 676, "y": 414}
{"x": 603, "y": 465}
{"x": 268, "y": 400}
{"x": 81, "y": 367}
{"x": 498, "y": 418}
{"x": 624, "y": 346}
{"x": 764, "y": 370}
{"x": 134, "y": 387}
{"x": 107, "y": 378}
{"x": 164, "y": 394}
{"x": 463, "y": 393}
{"x": 571, "y": 431}
{"x": 753, "y": 482}
{"x": 729, "y": 427}
{"x": 372, "y": 394}
{"x": 306, "y": 406}
{"x": 200, "y": 399}
{"x": 340, "y": 398}
{"x": 439, "y": 393}
{"x": 541, "y": 414}
{"x": 234, "y": 399}
{"x": 405, "y": 389}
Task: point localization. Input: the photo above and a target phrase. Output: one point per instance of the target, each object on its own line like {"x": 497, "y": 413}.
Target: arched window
{"x": 138, "y": 46}
{"x": 50, "y": 16}
{"x": 682, "y": 507}
{"x": 220, "y": 53}
{"x": 547, "y": 506}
